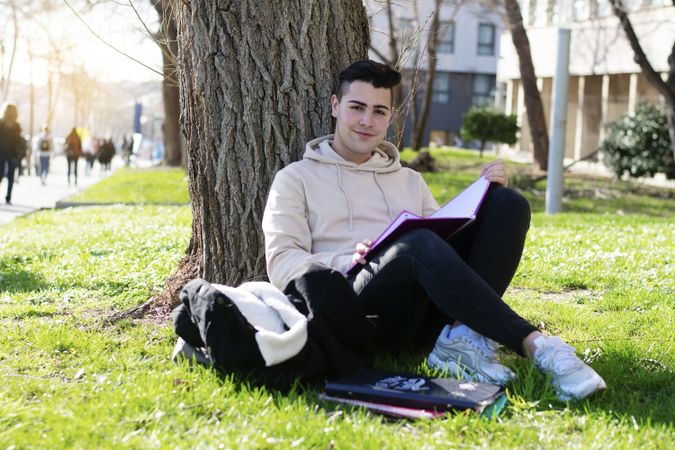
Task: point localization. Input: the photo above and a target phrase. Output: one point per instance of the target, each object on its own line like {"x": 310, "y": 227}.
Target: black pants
{"x": 72, "y": 162}
{"x": 421, "y": 282}
{"x": 8, "y": 167}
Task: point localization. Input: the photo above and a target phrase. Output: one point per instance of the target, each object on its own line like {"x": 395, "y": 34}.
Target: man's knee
{"x": 510, "y": 202}
{"x": 419, "y": 243}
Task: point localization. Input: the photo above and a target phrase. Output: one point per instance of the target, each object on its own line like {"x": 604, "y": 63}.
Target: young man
{"x": 350, "y": 185}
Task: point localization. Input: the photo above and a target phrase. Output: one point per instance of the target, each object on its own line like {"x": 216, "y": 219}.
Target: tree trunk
{"x": 174, "y": 150}
{"x": 419, "y": 127}
{"x": 533, "y": 104}
{"x": 665, "y": 88}
{"x": 255, "y": 85}
{"x": 398, "y": 89}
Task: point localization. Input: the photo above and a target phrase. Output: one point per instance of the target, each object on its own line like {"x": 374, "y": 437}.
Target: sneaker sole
{"x": 595, "y": 384}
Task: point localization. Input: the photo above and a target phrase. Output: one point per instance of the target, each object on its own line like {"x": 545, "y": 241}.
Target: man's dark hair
{"x": 377, "y": 74}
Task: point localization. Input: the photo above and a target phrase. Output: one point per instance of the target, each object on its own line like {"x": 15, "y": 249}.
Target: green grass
{"x": 147, "y": 186}
{"x": 602, "y": 279}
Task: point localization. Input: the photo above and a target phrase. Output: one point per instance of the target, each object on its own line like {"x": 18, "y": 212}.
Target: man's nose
{"x": 367, "y": 119}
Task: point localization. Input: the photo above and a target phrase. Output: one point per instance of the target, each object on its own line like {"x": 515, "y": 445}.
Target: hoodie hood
{"x": 385, "y": 157}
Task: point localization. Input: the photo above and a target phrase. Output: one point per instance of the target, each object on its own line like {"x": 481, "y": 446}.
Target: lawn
{"x": 601, "y": 275}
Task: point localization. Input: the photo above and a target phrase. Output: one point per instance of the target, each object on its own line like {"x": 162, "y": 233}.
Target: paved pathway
{"x": 29, "y": 194}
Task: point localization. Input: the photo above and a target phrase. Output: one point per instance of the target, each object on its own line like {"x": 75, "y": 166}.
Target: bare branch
{"x": 163, "y": 44}
{"x": 640, "y": 56}
{"x": 108, "y": 44}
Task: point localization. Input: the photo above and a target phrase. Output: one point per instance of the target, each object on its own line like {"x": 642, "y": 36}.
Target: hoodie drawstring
{"x": 349, "y": 203}
{"x": 386, "y": 200}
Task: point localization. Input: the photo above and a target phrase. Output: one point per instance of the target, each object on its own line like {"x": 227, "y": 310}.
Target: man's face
{"x": 362, "y": 118}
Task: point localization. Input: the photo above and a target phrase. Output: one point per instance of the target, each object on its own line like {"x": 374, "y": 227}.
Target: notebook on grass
{"x": 417, "y": 392}
{"x": 448, "y": 220}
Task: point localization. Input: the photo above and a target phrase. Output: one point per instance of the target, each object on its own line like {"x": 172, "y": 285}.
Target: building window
{"x": 486, "y": 39}
{"x": 483, "y": 89}
{"x": 441, "y": 88}
{"x": 446, "y": 43}
{"x": 603, "y": 8}
{"x": 632, "y": 5}
{"x": 540, "y": 13}
{"x": 406, "y": 29}
{"x": 562, "y": 11}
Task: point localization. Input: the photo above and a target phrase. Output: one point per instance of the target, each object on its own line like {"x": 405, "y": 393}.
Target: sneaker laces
{"x": 558, "y": 357}
{"x": 486, "y": 347}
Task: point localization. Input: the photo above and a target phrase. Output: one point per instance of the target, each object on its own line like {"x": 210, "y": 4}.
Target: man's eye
{"x": 380, "y": 112}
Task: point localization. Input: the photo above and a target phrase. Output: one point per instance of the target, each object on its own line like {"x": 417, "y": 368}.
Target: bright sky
{"x": 115, "y": 22}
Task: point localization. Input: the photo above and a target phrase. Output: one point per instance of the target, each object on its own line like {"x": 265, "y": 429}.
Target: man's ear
{"x": 334, "y": 105}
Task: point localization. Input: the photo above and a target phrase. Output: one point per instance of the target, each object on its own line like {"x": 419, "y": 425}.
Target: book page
{"x": 466, "y": 203}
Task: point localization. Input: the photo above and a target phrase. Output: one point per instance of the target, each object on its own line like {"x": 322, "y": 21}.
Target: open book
{"x": 414, "y": 396}
{"x": 448, "y": 220}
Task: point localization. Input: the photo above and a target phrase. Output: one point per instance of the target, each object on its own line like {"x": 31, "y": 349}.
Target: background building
{"x": 467, "y": 51}
{"x": 605, "y": 82}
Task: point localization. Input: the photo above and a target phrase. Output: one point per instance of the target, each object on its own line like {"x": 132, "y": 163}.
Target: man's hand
{"x": 361, "y": 250}
{"x": 495, "y": 172}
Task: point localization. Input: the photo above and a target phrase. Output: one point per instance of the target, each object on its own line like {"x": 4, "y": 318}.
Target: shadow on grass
{"x": 595, "y": 195}
{"x": 14, "y": 278}
{"x": 640, "y": 387}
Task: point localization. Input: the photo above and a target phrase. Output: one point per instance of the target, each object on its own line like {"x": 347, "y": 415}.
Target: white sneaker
{"x": 470, "y": 357}
{"x": 571, "y": 378}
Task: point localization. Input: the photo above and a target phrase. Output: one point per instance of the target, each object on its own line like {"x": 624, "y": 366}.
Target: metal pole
{"x": 556, "y": 151}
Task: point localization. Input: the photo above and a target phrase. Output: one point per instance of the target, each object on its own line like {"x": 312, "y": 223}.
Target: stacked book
{"x": 414, "y": 396}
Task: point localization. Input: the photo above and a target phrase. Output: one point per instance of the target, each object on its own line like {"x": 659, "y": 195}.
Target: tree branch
{"x": 640, "y": 57}
{"x": 108, "y": 44}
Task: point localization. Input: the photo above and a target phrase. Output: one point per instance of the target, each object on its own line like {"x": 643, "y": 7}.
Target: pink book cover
{"x": 448, "y": 220}
{"x": 388, "y": 410}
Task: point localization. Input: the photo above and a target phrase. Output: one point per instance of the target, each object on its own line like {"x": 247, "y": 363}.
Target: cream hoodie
{"x": 320, "y": 207}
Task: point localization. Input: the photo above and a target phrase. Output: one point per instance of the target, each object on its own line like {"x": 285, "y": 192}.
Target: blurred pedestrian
{"x": 73, "y": 152}
{"x": 12, "y": 147}
{"x": 45, "y": 148}
{"x": 105, "y": 155}
{"x": 90, "y": 150}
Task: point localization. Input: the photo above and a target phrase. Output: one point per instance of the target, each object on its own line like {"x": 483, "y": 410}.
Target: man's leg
{"x": 493, "y": 244}
{"x": 386, "y": 286}
{"x": 420, "y": 262}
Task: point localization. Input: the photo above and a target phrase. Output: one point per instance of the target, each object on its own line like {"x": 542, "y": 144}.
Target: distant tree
{"x": 666, "y": 88}
{"x": 166, "y": 38}
{"x": 486, "y": 124}
{"x": 533, "y": 104}
{"x": 639, "y": 144}
{"x": 403, "y": 47}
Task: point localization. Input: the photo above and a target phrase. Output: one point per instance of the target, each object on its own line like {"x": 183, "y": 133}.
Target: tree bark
{"x": 174, "y": 150}
{"x": 665, "y": 88}
{"x": 255, "y": 85}
{"x": 533, "y": 104}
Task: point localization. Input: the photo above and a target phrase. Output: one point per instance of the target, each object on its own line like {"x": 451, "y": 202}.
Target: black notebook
{"x": 418, "y": 392}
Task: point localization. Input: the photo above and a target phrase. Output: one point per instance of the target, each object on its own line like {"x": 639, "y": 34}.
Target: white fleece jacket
{"x": 320, "y": 207}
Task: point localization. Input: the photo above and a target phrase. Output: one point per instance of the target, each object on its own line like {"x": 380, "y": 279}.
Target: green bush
{"x": 486, "y": 124}
{"x": 638, "y": 143}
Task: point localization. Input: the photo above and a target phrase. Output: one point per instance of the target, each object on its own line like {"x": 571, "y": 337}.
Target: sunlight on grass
{"x": 157, "y": 185}
{"x": 603, "y": 281}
